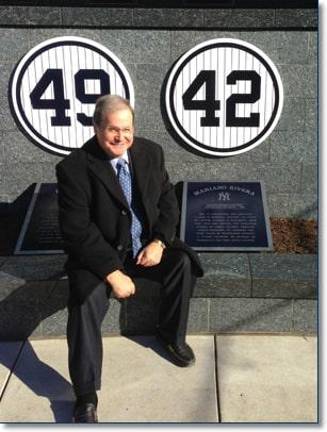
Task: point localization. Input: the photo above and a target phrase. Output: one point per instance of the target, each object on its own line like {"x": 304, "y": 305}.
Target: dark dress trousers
{"x": 95, "y": 221}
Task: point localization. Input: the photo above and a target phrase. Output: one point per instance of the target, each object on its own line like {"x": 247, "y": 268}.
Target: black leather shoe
{"x": 85, "y": 413}
{"x": 181, "y": 354}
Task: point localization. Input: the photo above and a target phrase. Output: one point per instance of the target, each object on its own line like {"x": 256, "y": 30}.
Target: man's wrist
{"x": 159, "y": 242}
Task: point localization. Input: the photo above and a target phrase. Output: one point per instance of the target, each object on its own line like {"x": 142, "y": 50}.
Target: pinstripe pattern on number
{"x": 224, "y": 58}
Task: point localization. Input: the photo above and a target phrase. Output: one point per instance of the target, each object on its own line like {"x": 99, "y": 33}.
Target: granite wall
{"x": 240, "y": 291}
{"x": 148, "y": 41}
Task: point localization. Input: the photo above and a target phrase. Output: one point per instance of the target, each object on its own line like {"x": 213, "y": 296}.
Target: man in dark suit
{"x": 118, "y": 214}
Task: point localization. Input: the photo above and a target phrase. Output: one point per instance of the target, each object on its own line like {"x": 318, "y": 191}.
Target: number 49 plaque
{"x": 55, "y": 86}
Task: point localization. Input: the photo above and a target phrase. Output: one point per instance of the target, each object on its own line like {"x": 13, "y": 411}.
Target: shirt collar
{"x": 115, "y": 160}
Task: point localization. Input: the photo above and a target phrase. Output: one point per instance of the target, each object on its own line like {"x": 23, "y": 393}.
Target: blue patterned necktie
{"x": 124, "y": 178}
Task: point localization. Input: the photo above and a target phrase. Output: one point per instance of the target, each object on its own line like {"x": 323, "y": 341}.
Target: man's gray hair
{"x": 109, "y": 104}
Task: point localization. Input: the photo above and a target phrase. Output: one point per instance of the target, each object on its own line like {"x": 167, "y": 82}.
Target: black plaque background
{"x": 40, "y": 232}
{"x": 206, "y": 206}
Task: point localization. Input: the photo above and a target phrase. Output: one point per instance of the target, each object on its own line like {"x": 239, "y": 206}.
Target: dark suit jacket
{"x": 95, "y": 218}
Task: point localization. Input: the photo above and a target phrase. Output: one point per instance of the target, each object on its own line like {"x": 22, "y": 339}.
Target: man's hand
{"x": 150, "y": 256}
{"x": 121, "y": 284}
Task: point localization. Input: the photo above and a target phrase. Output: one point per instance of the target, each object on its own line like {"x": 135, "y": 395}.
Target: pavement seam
{"x": 5, "y": 385}
{"x": 216, "y": 376}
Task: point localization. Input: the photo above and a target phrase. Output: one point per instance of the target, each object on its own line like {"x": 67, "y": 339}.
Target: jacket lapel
{"x": 141, "y": 168}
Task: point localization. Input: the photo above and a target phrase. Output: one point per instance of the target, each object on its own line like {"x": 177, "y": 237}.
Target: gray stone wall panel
{"x": 14, "y": 44}
{"x": 291, "y": 47}
{"x": 226, "y": 275}
{"x": 294, "y": 115}
{"x": 309, "y": 179}
{"x": 297, "y": 205}
{"x": 296, "y": 17}
{"x": 167, "y": 17}
{"x": 284, "y": 276}
{"x": 17, "y": 177}
{"x": 293, "y": 146}
{"x": 299, "y": 80}
{"x": 198, "y": 319}
{"x": 16, "y": 147}
{"x": 233, "y": 315}
{"x": 97, "y": 16}
{"x": 305, "y": 316}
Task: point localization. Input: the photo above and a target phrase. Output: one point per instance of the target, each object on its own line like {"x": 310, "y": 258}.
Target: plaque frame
{"x": 227, "y": 248}
{"x": 23, "y": 231}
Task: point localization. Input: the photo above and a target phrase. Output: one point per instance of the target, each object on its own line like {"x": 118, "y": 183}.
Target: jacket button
{"x": 124, "y": 212}
{"x": 120, "y": 247}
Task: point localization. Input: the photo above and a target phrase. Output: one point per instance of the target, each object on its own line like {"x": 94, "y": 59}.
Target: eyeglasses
{"x": 117, "y": 131}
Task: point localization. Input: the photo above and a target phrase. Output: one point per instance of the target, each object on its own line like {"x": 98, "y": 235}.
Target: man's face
{"x": 116, "y": 133}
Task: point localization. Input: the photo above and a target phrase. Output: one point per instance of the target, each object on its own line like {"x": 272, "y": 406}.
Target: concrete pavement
{"x": 237, "y": 378}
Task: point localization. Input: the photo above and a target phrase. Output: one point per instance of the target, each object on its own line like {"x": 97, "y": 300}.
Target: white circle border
{"x": 30, "y": 53}
{"x": 203, "y": 45}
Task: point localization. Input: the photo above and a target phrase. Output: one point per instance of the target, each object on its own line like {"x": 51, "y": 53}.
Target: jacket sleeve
{"x": 82, "y": 238}
{"x": 165, "y": 226}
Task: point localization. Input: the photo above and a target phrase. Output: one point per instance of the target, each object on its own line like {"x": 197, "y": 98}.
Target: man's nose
{"x": 119, "y": 135}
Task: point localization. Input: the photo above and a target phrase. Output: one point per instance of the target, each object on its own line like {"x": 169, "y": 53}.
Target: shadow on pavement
{"x": 44, "y": 381}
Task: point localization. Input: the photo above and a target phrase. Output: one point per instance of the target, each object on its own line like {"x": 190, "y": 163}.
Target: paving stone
{"x": 145, "y": 387}
{"x": 225, "y": 275}
{"x": 284, "y": 276}
{"x": 305, "y": 316}
{"x": 131, "y": 370}
{"x": 246, "y": 315}
{"x": 9, "y": 352}
{"x": 40, "y": 385}
{"x": 267, "y": 378}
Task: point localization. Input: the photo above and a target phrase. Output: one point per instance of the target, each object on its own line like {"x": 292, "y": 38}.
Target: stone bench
{"x": 240, "y": 292}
